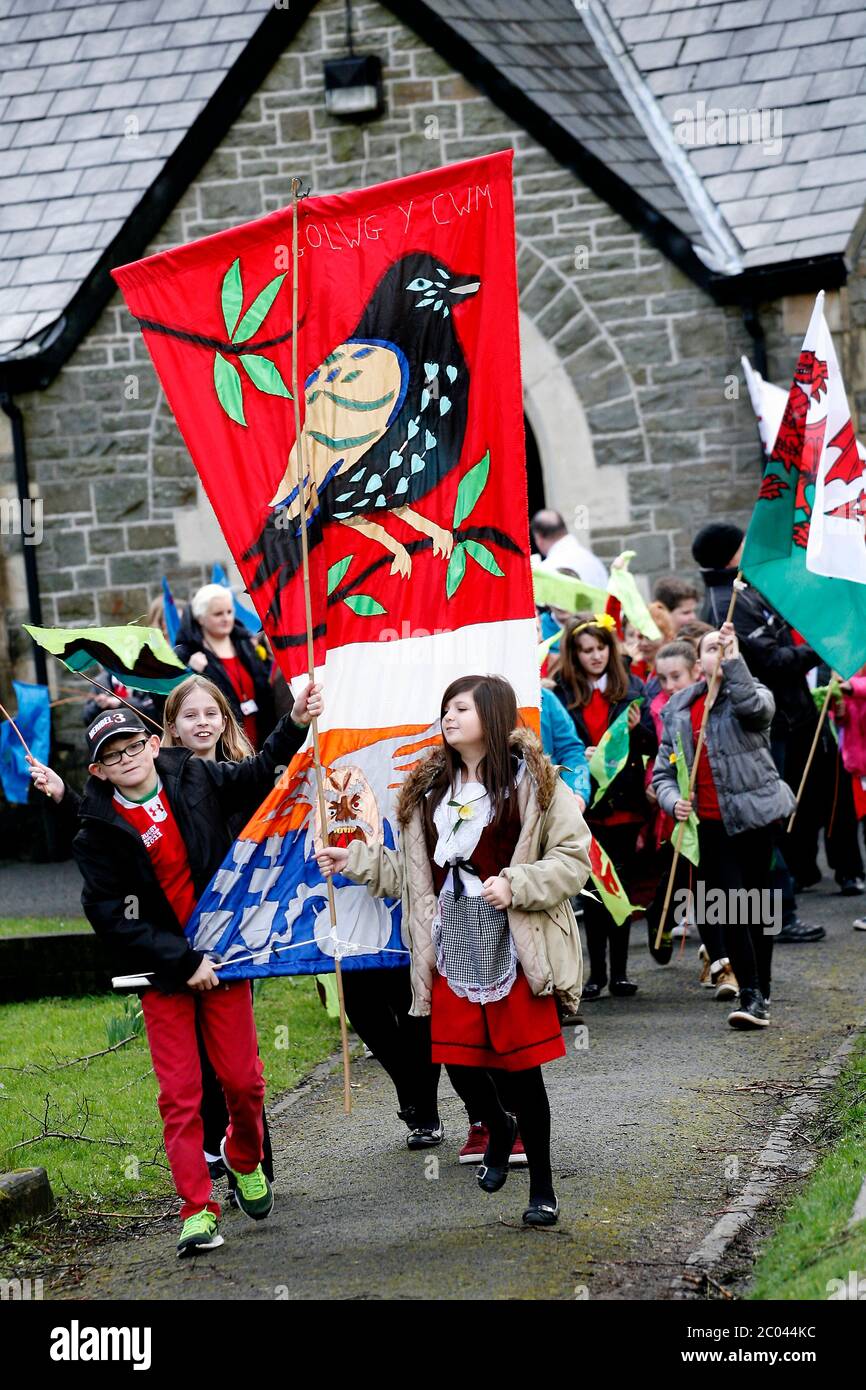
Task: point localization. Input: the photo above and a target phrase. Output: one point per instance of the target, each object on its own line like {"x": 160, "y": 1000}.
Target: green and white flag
{"x": 611, "y": 754}
{"x": 804, "y": 548}
{"x": 688, "y": 844}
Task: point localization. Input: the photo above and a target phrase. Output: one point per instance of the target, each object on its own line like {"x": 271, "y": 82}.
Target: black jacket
{"x": 190, "y": 638}
{"x": 769, "y": 650}
{"x": 122, "y": 898}
{"x": 627, "y": 791}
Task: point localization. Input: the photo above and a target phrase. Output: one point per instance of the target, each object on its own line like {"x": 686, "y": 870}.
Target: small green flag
{"x": 623, "y": 587}
{"x": 611, "y": 754}
{"x": 606, "y": 879}
{"x": 139, "y": 657}
{"x": 545, "y": 646}
{"x": 689, "y": 842}
{"x": 561, "y": 591}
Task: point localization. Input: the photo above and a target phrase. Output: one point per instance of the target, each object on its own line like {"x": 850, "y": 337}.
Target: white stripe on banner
{"x": 411, "y": 673}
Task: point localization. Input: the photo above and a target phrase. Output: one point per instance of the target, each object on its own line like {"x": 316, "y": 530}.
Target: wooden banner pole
{"x": 320, "y": 786}
{"x": 809, "y": 760}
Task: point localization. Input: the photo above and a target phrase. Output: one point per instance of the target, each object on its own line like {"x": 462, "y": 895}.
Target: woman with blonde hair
{"x": 213, "y": 644}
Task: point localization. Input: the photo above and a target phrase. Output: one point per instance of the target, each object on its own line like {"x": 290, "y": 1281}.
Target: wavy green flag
{"x": 688, "y": 843}
{"x": 611, "y": 754}
{"x": 140, "y": 657}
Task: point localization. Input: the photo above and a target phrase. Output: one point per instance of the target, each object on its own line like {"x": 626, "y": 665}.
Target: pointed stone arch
{"x": 572, "y": 478}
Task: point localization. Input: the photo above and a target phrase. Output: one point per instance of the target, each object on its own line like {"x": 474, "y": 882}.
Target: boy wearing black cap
{"x": 153, "y": 832}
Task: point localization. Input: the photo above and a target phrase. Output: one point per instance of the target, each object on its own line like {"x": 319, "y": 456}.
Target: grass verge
{"x": 812, "y": 1245}
{"x": 42, "y": 926}
{"x": 91, "y": 1120}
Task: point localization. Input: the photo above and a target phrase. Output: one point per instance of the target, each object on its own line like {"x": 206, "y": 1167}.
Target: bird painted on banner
{"x": 385, "y": 420}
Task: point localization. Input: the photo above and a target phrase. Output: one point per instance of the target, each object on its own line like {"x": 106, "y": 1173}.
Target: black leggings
{"x": 488, "y": 1094}
{"x": 737, "y": 862}
{"x": 602, "y": 932}
{"x": 377, "y": 1006}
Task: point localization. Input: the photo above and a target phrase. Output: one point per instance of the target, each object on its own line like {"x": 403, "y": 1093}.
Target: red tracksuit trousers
{"x": 226, "y": 1019}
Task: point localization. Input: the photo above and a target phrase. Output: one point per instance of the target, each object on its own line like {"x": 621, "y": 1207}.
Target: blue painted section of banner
{"x": 34, "y": 720}
{"x": 170, "y": 613}
{"x": 269, "y": 900}
{"x": 246, "y": 616}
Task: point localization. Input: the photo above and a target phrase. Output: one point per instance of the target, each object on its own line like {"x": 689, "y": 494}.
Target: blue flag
{"x": 170, "y": 613}
{"x": 246, "y": 616}
{"x": 34, "y": 721}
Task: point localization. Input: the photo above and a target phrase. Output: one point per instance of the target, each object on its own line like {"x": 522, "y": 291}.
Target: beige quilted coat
{"x": 549, "y": 866}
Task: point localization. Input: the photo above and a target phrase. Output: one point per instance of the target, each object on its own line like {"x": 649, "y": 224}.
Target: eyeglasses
{"x": 131, "y": 750}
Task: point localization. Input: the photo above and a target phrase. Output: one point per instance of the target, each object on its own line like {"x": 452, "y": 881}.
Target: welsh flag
{"x": 606, "y": 879}
{"x": 611, "y": 755}
{"x": 414, "y": 504}
{"x": 805, "y": 547}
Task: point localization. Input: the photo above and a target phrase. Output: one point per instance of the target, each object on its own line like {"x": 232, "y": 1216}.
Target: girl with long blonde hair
{"x": 199, "y": 717}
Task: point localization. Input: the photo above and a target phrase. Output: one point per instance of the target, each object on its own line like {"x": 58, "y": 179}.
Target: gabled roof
{"x": 108, "y": 111}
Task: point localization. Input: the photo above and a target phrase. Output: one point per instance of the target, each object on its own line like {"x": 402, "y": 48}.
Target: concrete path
{"x": 651, "y": 1137}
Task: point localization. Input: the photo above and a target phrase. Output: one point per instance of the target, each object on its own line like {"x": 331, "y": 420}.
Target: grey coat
{"x": 737, "y": 742}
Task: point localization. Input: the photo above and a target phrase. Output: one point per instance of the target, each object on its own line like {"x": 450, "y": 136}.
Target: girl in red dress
{"x": 492, "y": 848}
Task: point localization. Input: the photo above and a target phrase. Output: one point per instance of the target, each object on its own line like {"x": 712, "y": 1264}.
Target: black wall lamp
{"x": 353, "y": 85}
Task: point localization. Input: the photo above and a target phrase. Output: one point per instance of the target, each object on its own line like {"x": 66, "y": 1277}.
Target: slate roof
{"x": 72, "y": 171}
{"x": 73, "y": 166}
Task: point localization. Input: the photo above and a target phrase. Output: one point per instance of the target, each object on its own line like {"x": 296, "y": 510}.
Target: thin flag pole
{"x": 114, "y": 695}
{"x": 711, "y": 694}
{"x": 809, "y": 760}
{"x": 320, "y": 786}
{"x": 4, "y": 711}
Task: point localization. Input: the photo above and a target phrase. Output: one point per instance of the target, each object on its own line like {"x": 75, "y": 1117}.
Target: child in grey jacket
{"x": 738, "y": 796}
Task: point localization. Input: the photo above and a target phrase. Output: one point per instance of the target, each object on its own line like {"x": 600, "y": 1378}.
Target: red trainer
{"x": 518, "y": 1153}
{"x": 476, "y": 1142}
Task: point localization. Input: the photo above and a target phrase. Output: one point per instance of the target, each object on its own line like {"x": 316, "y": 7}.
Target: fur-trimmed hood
{"x": 523, "y": 742}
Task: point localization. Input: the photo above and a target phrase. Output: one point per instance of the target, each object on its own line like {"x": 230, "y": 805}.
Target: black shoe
{"x": 623, "y": 988}
{"x": 795, "y": 930}
{"x": 217, "y": 1170}
{"x": 491, "y": 1176}
{"x": 426, "y": 1136}
{"x": 851, "y": 887}
{"x": 541, "y": 1212}
{"x": 805, "y": 885}
{"x": 569, "y": 1020}
{"x": 663, "y": 954}
{"x": 592, "y": 989}
{"x": 751, "y": 1012}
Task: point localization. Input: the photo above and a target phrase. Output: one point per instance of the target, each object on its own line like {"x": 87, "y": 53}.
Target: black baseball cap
{"x": 110, "y": 724}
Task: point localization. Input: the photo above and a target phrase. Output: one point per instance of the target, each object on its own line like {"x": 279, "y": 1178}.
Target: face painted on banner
{"x": 352, "y": 810}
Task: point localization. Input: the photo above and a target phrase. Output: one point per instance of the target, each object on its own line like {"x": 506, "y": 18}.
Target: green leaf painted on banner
{"x": 336, "y": 572}
{"x": 484, "y": 557}
{"x": 256, "y": 313}
{"x": 456, "y": 569}
{"x": 227, "y": 380}
{"x": 471, "y": 488}
{"x": 363, "y": 605}
{"x": 264, "y": 375}
{"x": 232, "y": 296}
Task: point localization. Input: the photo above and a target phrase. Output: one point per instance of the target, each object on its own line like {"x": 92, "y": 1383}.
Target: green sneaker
{"x": 253, "y": 1194}
{"x": 200, "y": 1232}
